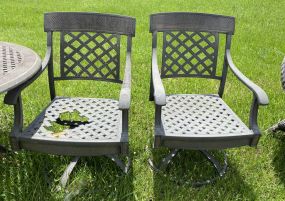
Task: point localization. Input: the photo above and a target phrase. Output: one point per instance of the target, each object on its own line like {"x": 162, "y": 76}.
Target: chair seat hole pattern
{"x": 200, "y": 115}
{"x": 96, "y": 119}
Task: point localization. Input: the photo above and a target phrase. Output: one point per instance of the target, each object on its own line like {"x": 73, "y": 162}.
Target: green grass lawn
{"x": 254, "y": 173}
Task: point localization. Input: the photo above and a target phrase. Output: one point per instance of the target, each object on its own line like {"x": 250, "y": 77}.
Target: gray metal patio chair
{"x": 197, "y": 121}
{"x": 89, "y": 50}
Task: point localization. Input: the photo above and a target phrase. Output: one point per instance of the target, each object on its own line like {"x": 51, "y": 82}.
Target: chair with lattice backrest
{"x": 197, "y": 121}
{"x": 89, "y": 50}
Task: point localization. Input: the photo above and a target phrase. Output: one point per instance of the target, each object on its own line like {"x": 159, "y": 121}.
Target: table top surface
{"x": 17, "y": 65}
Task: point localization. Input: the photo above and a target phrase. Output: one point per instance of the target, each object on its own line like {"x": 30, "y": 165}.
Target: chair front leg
{"x": 158, "y": 122}
{"x": 158, "y": 126}
{"x": 253, "y": 125}
{"x": 125, "y": 167}
{"x": 125, "y": 131}
{"x": 124, "y": 144}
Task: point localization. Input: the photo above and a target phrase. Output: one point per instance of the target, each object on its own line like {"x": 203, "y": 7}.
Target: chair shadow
{"x": 106, "y": 180}
{"x": 93, "y": 178}
{"x": 22, "y": 172}
{"x": 193, "y": 166}
{"x": 278, "y": 160}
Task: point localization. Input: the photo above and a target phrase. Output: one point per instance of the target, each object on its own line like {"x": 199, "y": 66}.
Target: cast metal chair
{"x": 197, "y": 121}
{"x": 89, "y": 50}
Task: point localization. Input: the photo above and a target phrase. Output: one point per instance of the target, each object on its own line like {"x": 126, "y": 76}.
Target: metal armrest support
{"x": 159, "y": 92}
{"x": 125, "y": 94}
{"x": 259, "y": 97}
{"x": 12, "y": 96}
{"x": 125, "y": 98}
{"x": 262, "y": 98}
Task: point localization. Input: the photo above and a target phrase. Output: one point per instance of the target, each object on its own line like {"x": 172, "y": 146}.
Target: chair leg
{"x": 280, "y": 126}
{"x": 124, "y": 167}
{"x": 164, "y": 162}
{"x": 221, "y": 169}
{"x": 64, "y": 178}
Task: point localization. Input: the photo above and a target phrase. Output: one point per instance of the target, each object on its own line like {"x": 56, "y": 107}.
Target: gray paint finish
{"x": 105, "y": 132}
{"x": 197, "y": 121}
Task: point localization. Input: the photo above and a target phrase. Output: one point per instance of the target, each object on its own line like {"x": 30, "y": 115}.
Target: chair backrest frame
{"x": 88, "y": 42}
{"x": 202, "y": 32}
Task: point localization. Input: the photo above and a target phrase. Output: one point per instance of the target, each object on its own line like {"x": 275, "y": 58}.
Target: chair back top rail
{"x": 88, "y": 22}
{"x": 196, "y": 22}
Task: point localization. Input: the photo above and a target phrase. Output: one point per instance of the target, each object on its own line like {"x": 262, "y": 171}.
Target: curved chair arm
{"x": 262, "y": 98}
{"x": 12, "y": 96}
{"x": 159, "y": 92}
{"x": 125, "y": 94}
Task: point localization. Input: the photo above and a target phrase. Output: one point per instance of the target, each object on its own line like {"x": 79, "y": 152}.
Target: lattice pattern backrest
{"x": 189, "y": 54}
{"x": 90, "y": 55}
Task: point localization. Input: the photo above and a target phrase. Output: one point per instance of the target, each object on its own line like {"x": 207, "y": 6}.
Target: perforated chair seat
{"x": 103, "y": 125}
{"x": 203, "y": 117}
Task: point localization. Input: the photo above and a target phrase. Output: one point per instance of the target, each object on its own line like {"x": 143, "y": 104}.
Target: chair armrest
{"x": 125, "y": 94}
{"x": 159, "y": 92}
{"x": 262, "y": 98}
{"x": 12, "y": 95}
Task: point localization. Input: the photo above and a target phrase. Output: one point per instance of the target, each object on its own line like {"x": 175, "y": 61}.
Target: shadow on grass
{"x": 24, "y": 177}
{"x": 193, "y": 166}
{"x": 32, "y": 176}
{"x": 278, "y": 160}
{"x": 105, "y": 180}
